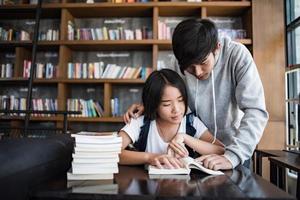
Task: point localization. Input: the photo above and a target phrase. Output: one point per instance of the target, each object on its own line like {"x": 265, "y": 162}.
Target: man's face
{"x": 202, "y": 70}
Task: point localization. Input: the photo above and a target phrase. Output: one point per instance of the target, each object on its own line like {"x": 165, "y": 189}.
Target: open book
{"x": 189, "y": 162}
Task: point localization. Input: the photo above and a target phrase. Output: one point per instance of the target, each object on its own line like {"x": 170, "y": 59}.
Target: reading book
{"x": 189, "y": 162}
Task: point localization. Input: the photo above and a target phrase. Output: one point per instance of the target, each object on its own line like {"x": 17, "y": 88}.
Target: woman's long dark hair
{"x": 154, "y": 87}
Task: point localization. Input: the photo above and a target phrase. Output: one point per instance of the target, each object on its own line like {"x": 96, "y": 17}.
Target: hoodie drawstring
{"x": 214, "y": 106}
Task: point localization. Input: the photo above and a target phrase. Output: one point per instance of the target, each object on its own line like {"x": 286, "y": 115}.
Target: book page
{"x": 192, "y": 164}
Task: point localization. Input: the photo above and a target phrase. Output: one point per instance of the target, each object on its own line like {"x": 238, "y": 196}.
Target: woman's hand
{"x": 165, "y": 161}
{"x": 134, "y": 111}
{"x": 176, "y": 147}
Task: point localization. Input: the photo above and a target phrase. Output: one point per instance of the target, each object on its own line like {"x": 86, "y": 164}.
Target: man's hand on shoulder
{"x": 134, "y": 111}
{"x": 215, "y": 162}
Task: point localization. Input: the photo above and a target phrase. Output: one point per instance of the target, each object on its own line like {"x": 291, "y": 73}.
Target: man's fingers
{"x": 207, "y": 160}
{"x": 216, "y": 162}
{"x": 201, "y": 158}
{"x": 217, "y": 166}
{"x": 126, "y": 118}
{"x": 139, "y": 112}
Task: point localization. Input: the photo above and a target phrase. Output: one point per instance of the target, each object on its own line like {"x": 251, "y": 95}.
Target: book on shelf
{"x": 189, "y": 163}
{"x": 97, "y": 70}
{"x": 16, "y": 103}
{"x": 49, "y": 35}
{"x": 88, "y": 108}
{"x": 166, "y": 26}
{"x": 6, "y": 70}
{"x": 10, "y": 34}
{"x": 111, "y": 30}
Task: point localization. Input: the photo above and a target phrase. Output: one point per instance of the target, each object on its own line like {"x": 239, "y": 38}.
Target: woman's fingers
{"x": 179, "y": 149}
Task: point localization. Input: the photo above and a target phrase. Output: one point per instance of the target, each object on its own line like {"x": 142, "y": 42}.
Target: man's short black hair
{"x": 154, "y": 87}
{"x": 193, "y": 40}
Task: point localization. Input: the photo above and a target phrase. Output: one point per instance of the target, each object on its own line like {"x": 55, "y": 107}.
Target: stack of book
{"x": 95, "y": 156}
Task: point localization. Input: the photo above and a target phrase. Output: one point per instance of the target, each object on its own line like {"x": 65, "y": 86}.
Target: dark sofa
{"x": 27, "y": 162}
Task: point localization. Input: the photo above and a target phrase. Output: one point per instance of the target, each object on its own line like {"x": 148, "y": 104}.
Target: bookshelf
{"x": 88, "y": 18}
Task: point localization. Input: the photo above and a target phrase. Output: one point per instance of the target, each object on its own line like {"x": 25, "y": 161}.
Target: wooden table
{"x": 278, "y": 167}
{"x": 133, "y": 182}
{"x": 260, "y": 153}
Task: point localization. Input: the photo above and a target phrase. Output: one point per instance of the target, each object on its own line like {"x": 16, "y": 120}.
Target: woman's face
{"x": 171, "y": 108}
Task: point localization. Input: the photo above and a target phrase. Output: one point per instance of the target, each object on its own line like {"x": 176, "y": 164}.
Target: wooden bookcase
{"x": 67, "y": 10}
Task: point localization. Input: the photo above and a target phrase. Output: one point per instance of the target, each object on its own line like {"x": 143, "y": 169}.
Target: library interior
{"x": 88, "y": 104}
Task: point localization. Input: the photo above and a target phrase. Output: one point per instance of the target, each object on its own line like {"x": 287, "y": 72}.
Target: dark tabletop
{"x": 133, "y": 182}
{"x": 292, "y": 161}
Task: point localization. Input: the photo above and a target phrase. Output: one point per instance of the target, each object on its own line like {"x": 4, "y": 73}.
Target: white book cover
{"x": 94, "y": 170}
{"x": 98, "y": 141}
{"x": 95, "y": 135}
{"x": 93, "y": 155}
{"x": 95, "y": 165}
{"x": 98, "y": 146}
{"x": 97, "y": 70}
{"x": 96, "y": 160}
{"x": 116, "y": 150}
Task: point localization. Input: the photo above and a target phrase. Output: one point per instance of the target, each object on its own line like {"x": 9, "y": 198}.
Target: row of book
{"x": 96, "y": 156}
{"x": 232, "y": 33}
{"x": 15, "y": 2}
{"x": 15, "y": 103}
{"x": 115, "y": 107}
{"x": 105, "y": 33}
{"x": 47, "y": 70}
{"x": 165, "y": 32}
{"x": 97, "y": 70}
{"x": 14, "y": 35}
{"x": 88, "y": 108}
{"x": 128, "y": 1}
{"x": 49, "y": 35}
{"x": 6, "y": 70}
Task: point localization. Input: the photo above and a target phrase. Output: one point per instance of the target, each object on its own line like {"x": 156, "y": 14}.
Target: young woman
{"x": 164, "y": 125}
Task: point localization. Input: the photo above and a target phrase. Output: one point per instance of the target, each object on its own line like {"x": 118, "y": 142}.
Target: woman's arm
{"x": 128, "y": 157}
{"x": 202, "y": 145}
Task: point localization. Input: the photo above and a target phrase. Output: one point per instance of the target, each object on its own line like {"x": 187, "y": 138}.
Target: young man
{"x": 224, "y": 90}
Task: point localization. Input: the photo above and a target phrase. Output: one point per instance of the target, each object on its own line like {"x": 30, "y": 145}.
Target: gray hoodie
{"x": 238, "y": 99}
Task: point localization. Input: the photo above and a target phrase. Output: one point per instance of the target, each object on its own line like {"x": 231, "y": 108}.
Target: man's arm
{"x": 249, "y": 94}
